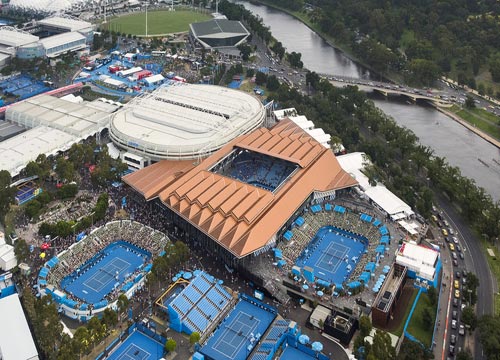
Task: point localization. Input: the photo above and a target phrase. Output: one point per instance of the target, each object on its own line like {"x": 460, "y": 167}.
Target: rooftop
{"x": 217, "y": 26}
{"x": 241, "y": 217}
{"x": 16, "y": 341}
{"x": 186, "y": 121}
{"x": 65, "y": 23}
{"x": 11, "y": 37}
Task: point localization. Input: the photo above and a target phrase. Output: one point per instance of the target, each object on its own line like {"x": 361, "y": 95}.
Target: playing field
{"x": 159, "y": 22}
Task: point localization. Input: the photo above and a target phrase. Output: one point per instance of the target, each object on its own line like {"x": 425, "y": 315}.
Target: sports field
{"x": 107, "y": 270}
{"x": 159, "y": 22}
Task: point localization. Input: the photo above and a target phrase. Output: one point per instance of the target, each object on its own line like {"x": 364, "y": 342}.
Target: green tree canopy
{"x": 7, "y": 194}
{"x": 194, "y": 337}
{"x": 170, "y": 345}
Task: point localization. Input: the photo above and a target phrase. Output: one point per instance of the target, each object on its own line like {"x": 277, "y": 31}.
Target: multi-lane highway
{"x": 474, "y": 261}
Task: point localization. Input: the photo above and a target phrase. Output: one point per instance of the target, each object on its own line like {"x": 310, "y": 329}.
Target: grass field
{"x": 416, "y": 327}
{"x": 495, "y": 269}
{"x": 480, "y": 118}
{"x": 159, "y": 22}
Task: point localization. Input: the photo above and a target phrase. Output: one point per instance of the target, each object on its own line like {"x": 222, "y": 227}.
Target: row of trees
{"x": 405, "y": 166}
{"x": 423, "y": 38}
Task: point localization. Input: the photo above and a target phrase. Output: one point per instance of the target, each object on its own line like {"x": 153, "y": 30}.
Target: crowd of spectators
{"x": 74, "y": 257}
{"x": 350, "y": 221}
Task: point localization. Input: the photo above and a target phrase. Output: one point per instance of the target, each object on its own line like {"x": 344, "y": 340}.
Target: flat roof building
{"x": 64, "y": 24}
{"x": 185, "y": 121}
{"x": 218, "y": 33}
{"x": 16, "y": 341}
{"x": 63, "y": 43}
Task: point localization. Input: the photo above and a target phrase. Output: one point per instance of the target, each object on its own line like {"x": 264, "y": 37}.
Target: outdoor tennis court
{"x": 138, "y": 346}
{"x": 333, "y": 254}
{"x": 107, "y": 270}
{"x": 231, "y": 339}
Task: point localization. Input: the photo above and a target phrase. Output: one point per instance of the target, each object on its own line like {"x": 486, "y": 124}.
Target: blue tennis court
{"x": 138, "y": 346}
{"x": 333, "y": 254}
{"x": 243, "y": 327}
{"x": 107, "y": 270}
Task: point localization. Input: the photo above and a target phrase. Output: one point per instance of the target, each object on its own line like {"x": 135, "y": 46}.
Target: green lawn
{"x": 399, "y": 330}
{"x": 495, "y": 269}
{"x": 159, "y": 22}
{"x": 480, "y": 118}
{"x": 417, "y": 327}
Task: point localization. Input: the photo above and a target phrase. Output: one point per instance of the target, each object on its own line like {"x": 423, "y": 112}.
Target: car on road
{"x": 455, "y": 262}
{"x": 452, "y": 247}
{"x": 457, "y": 294}
{"x": 454, "y": 315}
{"x": 453, "y": 324}
{"x": 445, "y": 232}
{"x": 455, "y": 239}
{"x": 452, "y": 350}
{"x": 461, "y": 255}
{"x": 451, "y": 231}
{"x": 454, "y": 255}
{"x": 453, "y": 339}
{"x": 434, "y": 218}
{"x": 456, "y": 284}
{"x": 458, "y": 274}
{"x": 459, "y": 249}
{"x": 455, "y": 302}
{"x": 461, "y": 330}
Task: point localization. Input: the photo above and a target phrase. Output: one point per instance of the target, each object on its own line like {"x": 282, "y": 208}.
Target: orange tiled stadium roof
{"x": 241, "y": 217}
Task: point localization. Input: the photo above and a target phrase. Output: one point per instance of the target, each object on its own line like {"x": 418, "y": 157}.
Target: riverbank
{"x": 345, "y": 52}
{"x": 470, "y": 127}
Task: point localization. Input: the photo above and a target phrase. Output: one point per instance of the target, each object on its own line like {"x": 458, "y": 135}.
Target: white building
{"x": 184, "y": 121}
{"x": 8, "y": 258}
{"x": 16, "y": 341}
{"x": 423, "y": 263}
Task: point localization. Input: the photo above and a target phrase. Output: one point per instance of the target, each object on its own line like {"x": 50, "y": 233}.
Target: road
{"x": 475, "y": 262}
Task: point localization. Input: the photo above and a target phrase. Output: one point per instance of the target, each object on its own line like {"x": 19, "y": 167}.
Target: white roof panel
{"x": 16, "y": 38}
{"x": 25, "y": 147}
{"x": 61, "y": 39}
{"x": 186, "y": 121}
{"x": 65, "y": 23}
{"x": 16, "y": 340}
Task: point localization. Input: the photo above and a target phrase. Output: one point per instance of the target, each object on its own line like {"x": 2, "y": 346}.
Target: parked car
{"x": 453, "y": 324}
{"x": 453, "y": 339}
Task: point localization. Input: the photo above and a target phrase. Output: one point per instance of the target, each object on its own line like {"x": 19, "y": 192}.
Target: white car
{"x": 453, "y": 324}
{"x": 455, "y": 239}
{"x": 461, "y": 330}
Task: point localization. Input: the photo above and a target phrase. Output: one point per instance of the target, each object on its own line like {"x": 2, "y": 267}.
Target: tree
{"x": 495, "y": 68}
{"x": 110, "y": 318}
{"x": 7, "y": 194}
{"x": 489, "y": 336}
{"x": 260, "y": 78}
{"x": 423, "y": 72}
{"x": 427, "y": 317}
{"x": 245, "y": 51}
{"x": 365, "y": 326}
{"x": 294, "y": 59}
{"x": 411, "y": 350}
{"x": 170, "y": 345}
{"x": 469, "y": 102}
{"x": 464, "y": 355}
{"x": 64, "y": 169}
{"x": 469, "y": 317}
{"x": 272, "y": 83}
{"x": 250, "y": 72}
{"x": 194, "y": 337}
{"x": 122, "y": 303}
{"x": 381, "y": 347}
{"x": 432, "y": 294}
{"x": 21, "y": 250}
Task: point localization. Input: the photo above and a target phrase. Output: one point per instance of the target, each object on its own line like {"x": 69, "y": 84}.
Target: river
{"x": 447, "y": 138}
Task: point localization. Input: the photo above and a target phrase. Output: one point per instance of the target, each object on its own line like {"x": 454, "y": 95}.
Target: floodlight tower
{"x": 216, "y": 6}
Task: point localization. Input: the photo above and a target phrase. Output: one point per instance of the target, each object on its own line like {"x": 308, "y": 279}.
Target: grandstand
{"x": 27, "y": 189}
{"x": 197, "y": 306}
{"x": 255, "y": 169}
{"x": 91, "y": 274}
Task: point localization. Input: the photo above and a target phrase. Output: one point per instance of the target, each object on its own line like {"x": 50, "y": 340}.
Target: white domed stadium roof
{"x": 184, "y": 122}
{"x": 46, "y": 5}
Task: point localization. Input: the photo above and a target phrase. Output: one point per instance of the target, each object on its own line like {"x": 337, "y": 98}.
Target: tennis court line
{"x": 101, "y": 274}
{"x": 125, "y": 355}
{"x": 243, "y": 338}
{"x": 326, "y": 252}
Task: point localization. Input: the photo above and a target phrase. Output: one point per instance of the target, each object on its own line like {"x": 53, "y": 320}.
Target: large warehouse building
{"x": 183, "y": 122}
{"x": 238, "y": 201}
{"x": 217, "y": 34}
